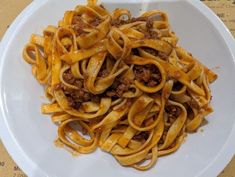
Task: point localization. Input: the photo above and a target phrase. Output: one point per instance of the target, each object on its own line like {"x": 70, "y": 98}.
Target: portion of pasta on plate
{"x": 119, "y": 83}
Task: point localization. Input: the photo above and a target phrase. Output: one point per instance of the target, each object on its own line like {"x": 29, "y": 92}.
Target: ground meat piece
{"x": 154, "y": 34}
{"x": 76, "y": 105}
{"x": 95, "y": 22}
{"x": 141, "y": 136}
{"x": 118, "y": 91}
{"x": 103, "y": 71}
{"x": 87, "y": 96}
{"x": 138, "y": 72}
{"x": 119, "y": 86}
{"x": 125, "y": 81}
{"x": 78, "y": 25}
{"x": 147, "y": 74}
{"x": 172, "y": 111}
{"x": 81, "y": 95}
{"x": 146, "y": 34}
{"x": 150, "y": 34}
{"x": 70, "y": 101}
{"x": 142, "y": 73}
{"x": 163, "y": 137}
{"x": 138, "y": 19}
{"x": 78, "y": 83}
{"x": 121, "y": 89}
{"x": 76, "y": 19}
{"x": 75, "y": 97}
{"x": 78, "y": 28}
{"x": 149, "y": 23}
{"x": 68, "y": 77}
{"x": 162, "y": 55}
{"x": 95, "y": 98}
{"x": 151, "y": 51}
{"x": 73, "y": 104}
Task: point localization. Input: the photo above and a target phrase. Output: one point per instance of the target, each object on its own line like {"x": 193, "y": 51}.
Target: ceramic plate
{"x": 28, "y": 135}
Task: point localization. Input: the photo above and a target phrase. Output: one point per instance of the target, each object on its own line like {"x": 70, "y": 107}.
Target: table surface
{"x": 225, "y": 9}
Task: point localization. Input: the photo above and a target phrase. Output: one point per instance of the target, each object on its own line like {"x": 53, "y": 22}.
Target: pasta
{"x": 119, "y": 83}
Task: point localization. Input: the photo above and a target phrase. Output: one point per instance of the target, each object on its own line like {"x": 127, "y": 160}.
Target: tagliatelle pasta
{"x": 119, "y": 83}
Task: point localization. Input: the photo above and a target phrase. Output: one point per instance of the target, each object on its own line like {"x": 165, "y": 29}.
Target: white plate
{"x": 28, "y": 135}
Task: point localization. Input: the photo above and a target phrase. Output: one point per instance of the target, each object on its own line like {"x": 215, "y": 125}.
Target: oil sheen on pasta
{"x": 119, "y": 83}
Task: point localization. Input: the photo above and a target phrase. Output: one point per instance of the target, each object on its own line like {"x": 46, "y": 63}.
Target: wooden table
{"x": 9, "y": 9}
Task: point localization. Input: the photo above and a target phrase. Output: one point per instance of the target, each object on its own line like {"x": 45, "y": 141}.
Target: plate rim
{"x": 31, "y": 169}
